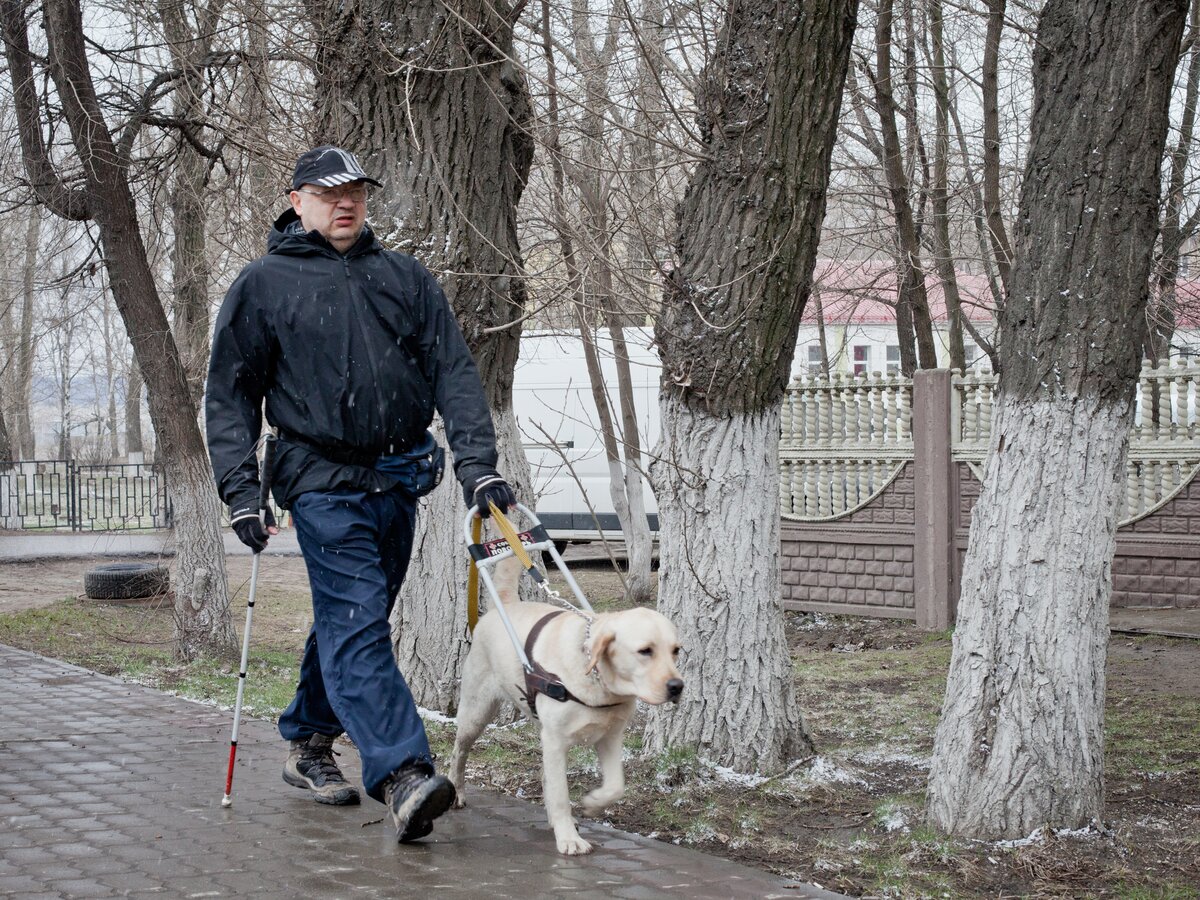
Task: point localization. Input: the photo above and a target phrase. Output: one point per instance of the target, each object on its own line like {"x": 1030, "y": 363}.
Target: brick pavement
{"x": 109, "y": 789}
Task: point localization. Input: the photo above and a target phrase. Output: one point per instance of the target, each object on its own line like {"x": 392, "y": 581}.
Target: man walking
{"x": 352, "y": 347}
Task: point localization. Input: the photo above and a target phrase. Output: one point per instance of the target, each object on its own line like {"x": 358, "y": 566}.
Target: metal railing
{"x": 61, "y": 494}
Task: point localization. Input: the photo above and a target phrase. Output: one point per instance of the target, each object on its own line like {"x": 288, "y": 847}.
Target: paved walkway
{"x": 109, "y": 789}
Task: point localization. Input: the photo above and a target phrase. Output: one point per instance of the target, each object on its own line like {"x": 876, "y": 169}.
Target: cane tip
{"x": 226, "y": 801}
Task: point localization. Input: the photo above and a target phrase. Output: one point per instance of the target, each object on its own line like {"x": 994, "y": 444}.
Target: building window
{"x": 862, "y": 359}
{"x": 815, "y": 363}
{"x": 970, "y": 354}
{"x": 893, "y": 359}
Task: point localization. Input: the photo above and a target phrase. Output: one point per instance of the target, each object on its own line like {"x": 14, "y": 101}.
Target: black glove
{"x": 478, "y": 491}
{"x": 250, "y": 530}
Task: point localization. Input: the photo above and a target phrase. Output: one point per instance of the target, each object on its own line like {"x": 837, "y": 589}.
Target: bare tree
{"x": 747, "y": 243}
{"x": 101, "y": 192}
{"x": 1176, "y": 228}
{"x": 1020, "y": 743}
{"x": 913, "y": 322}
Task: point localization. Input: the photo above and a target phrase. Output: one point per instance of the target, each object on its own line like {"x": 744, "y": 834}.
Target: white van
{"x": 556, "y": 413}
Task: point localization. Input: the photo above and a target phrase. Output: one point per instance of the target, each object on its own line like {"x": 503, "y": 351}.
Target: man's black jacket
{"x": 352, "y": 353}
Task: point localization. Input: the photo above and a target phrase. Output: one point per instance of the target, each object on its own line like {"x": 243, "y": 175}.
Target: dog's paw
{"x": 573, "y": 846}
{"x": 591, "y": 808}
{"x": 459, "y": 801}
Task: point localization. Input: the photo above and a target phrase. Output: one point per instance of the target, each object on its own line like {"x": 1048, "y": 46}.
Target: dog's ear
{"x": 600, "y": 644}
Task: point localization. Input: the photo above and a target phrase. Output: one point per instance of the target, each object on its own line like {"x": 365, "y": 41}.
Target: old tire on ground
{"x": 126, "y": 581}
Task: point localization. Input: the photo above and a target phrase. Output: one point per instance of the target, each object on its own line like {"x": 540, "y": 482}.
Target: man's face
{"x": 332, "y": 211}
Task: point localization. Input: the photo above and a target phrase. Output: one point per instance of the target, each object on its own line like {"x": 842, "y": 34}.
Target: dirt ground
{"x": 850, "y": 819}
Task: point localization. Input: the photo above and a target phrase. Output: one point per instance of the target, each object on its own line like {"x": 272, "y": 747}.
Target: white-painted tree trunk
{"x": 203, "y": 620}
{"x": 429, "y": 624}
{"x": 1020, "y": 743}
{"x": 639, "y": 544}
{"x": 717, "y": 482}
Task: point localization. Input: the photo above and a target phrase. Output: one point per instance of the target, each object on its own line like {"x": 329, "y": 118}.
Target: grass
{"x": 1161, "y": 738}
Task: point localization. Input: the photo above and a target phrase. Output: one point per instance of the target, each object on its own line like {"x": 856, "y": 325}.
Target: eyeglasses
{"x": 354, "y": 194}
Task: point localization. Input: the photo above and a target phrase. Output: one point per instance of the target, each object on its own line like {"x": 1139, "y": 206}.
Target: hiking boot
{"x": 310, "y": 765}
{"x": 416, "y": 797}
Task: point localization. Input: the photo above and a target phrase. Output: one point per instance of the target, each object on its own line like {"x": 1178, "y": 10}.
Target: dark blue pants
{"x": 356, "y": 546}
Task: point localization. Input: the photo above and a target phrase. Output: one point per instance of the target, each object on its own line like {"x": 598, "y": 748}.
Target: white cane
{"x": 263, "y": 498}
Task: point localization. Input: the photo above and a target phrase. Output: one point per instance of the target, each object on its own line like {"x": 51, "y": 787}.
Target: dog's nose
{"x": 674, "y": 689}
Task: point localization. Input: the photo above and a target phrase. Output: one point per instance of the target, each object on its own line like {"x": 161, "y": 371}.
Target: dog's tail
{"x": 506, "y": 577}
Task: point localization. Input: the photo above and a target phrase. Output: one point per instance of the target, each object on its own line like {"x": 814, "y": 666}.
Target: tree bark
{"x": 428, "y": 95}
{"x": 749, "y": 225}
{"x": 1020, "y": 741}
{"x": 203, "y": 621}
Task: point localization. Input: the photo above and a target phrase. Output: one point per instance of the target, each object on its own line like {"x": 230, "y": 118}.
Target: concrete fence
{"x": 879, "y": 475}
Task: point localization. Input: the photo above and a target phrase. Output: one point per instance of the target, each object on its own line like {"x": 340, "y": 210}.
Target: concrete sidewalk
{"x": 60, "y": 544}
{"x": 110, "y": 789}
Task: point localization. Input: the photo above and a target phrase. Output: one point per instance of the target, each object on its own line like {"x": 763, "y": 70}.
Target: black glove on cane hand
{"x": 249, "y": 529}
{"x": 478, "y": 491}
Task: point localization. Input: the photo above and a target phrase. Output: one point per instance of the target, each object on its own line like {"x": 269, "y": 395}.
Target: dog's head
{"x": 635, "y": 652}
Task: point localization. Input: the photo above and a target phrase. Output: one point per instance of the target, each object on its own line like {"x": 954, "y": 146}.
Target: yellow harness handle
{"x": 473, "y": 579}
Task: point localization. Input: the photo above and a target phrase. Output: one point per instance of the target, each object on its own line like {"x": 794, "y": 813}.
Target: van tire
{"x": 561, "y": 546}
{"x": 126, "y": 581}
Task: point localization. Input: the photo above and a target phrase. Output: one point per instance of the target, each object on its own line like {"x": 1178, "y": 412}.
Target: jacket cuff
{"x": 242, "y": 502}
{"x": 469, "y": 474}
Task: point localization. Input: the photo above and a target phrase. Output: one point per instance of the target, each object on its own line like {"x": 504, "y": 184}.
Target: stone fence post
{"x": 933, "y": 536}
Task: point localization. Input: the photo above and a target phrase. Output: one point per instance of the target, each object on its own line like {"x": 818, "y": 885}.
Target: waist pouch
{"x": 418, "y": 471}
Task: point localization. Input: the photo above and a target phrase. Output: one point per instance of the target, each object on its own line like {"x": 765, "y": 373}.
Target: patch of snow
{"x": 432, "y": 715}
{"x": 818, "y": 621}
{"x": 894, "y": 821}
{"x": 890, "y": 757}
{"x": 1044, "y": 832}
{"x": 823, "y": 771}
{"x": 724, "y": 773}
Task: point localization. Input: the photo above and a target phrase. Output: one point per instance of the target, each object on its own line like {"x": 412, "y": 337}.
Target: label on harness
{"x": 499, "y": 545}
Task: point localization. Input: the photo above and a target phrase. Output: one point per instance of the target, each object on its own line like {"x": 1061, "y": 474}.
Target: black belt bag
{"x": 418, "y": 471}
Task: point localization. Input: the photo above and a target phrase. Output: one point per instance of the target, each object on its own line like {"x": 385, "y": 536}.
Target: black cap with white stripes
{"x": 328, "y": 167}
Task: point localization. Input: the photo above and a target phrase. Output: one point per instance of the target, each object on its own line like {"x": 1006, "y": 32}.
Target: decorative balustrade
{"x": 844, "y": 439}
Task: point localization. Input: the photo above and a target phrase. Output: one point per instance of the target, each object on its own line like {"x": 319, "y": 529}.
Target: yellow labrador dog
{"x": 606, "y": 664}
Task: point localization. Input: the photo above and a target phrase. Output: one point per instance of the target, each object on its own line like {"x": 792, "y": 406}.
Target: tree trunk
{"x": 1020, "y": 741}
{"x": 133, "y": 410}
{"x": 110, "y": 380}
{"x": 991, "y": 142}
{"x": 1174, "y": 230}
{"x": 26, "y": 440}
{"x": 427, "y": 94}
{"x": 943, "y": 255}
{"x": 190, "y": 271}
{"x": 201, "y": 603}
{"x": 912, "y": 300}
{"x": 622, "y": 447}
{"x": 749, "y": 225}
{"x": 6, "y": 445}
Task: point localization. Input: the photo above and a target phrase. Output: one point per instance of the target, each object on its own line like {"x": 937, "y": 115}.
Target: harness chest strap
{"x": 540, "y": 681}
